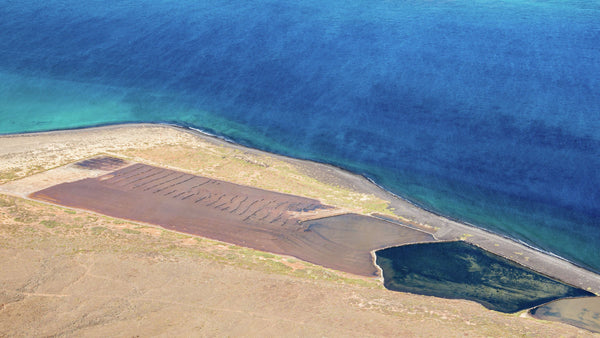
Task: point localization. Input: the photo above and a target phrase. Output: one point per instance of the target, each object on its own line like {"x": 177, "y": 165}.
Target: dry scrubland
{"x": 75, "y": 273}
{"x": 70, "y": 272}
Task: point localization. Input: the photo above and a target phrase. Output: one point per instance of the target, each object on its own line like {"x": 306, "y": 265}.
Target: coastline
{"x": 545, "y": 258}
{"x": 447, "y": 229}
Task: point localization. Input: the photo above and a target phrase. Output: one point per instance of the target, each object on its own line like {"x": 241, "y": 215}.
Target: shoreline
{"x": 457, "y": 220}
{"x": 447, "y": 229}
{"x": 196, "y": 131}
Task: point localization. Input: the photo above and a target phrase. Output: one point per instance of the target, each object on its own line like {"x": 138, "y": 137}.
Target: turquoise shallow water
{"x": 484, "y": 111}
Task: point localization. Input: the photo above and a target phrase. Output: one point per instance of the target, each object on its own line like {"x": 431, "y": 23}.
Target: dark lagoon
{"x": 463, "y": 271}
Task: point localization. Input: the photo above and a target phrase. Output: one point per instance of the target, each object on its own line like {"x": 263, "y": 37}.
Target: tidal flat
{"x": 580, "y": 312}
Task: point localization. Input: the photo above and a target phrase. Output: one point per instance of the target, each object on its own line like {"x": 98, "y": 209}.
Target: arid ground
{"x": 75, "y": 273}
{"x": 72, "y": 272}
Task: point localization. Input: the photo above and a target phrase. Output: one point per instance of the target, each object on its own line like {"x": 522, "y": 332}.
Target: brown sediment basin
{"x": 233, "y": 213}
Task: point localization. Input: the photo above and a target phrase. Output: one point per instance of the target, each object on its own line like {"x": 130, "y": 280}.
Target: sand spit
{"x": 40, "y": 151}
{"x": 37, "y": 152}
{"x": 33, "y": 162}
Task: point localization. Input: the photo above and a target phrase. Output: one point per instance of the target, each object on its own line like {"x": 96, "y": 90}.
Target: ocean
{"x": 483, "y": 111}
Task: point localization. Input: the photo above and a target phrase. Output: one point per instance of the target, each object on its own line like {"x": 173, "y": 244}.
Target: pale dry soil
{"x": 25, "y": 155}
{"x": 175, "y": 148}
{"x": 73, "y": 273}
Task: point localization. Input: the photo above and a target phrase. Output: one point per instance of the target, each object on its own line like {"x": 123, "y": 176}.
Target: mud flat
{"x": 233, "y": 213}
{"x": 580, "y": 312}
{"x": 71, "y": 273}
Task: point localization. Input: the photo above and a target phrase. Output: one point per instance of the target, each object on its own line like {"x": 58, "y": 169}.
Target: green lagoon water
{"x": 463, "y": 271}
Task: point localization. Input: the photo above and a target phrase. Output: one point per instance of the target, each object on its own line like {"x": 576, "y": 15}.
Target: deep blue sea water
{"x": 485, "y": 111}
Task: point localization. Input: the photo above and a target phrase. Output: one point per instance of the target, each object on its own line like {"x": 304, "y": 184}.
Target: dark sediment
{"x": 349, "y": 239}
{"x": 106, "y": 163}
{"x": 233, "y": 213}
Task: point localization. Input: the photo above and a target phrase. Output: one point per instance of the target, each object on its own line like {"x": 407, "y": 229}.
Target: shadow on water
{"x": 581, "y": 312}
{"x": 463, "y": 271}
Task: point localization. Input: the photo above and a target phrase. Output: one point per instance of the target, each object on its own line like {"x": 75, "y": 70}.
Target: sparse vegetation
{"x": 9, "y": 174}
{"x": 50, "y": 223}
{"x": 73, "y": 229}
{"x": 97, "y": 230}
{"x": 259, "y": 171}
{"x": 131, "y": 231}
